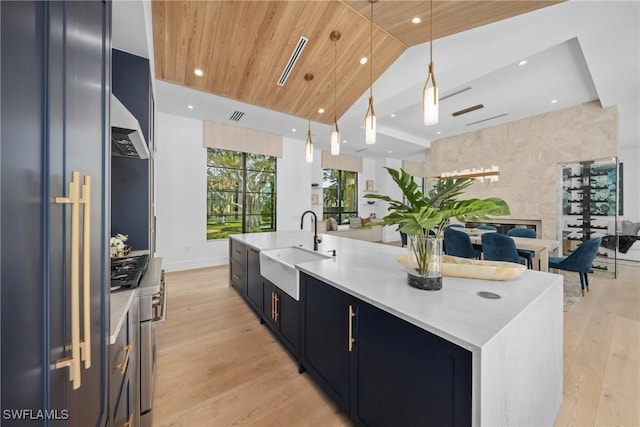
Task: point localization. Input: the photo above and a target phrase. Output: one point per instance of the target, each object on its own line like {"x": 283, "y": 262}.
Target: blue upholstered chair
{"x": 455, "y": 225}
{"x": 529, "y": 233}
{"x": 403, "y": 239}
{"x": 457, "y": 243}
{"x": 498, "y": 247}
{"x": 487, "y": 227}
{"x": 579, "y": 260}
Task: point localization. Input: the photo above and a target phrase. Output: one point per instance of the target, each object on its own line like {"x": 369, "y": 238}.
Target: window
{"x": 241, "y": 193}
{"x": 340, "y": 194}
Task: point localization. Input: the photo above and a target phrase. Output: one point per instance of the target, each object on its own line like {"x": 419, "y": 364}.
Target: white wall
{"x": 181, "y": 194}
{"x": 385, "y": 185}
{"x": 181, "y": 197}
{"x": 294, "y": 185}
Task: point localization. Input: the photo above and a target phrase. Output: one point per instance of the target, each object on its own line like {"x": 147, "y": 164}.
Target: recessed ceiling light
{"x": 438, "y": 133}
{"x": 389, "y": 152}
{"x": 523, "y": 62}
{"x": 554, "y": 101}
{"x": 190, "y": 107}
{"x": 198, "y": 72}
{"x": 393, "y": 115}
{"x": 416, "y": 20}
{"x": 321, "y": 111}
{"x": 344, "y": 141}
{"x": 363, "y": 60}
{"x": 293, "y": 130}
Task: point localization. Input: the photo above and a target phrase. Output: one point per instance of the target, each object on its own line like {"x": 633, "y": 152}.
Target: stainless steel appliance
{"x": 153, "y": 308}
{"x": 127, "y": 272}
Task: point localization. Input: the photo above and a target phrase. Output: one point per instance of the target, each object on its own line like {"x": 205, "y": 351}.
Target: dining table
{"x": 542, "y": 248}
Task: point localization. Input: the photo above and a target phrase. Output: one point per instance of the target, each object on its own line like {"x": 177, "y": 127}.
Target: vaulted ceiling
{"x": 242, "y": 47}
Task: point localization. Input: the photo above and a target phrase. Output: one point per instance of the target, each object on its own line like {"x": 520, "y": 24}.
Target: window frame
{"x": 244, "y": 172}
{"x": 341, "y": 215}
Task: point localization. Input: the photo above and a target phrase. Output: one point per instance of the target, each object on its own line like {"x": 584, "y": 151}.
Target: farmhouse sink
{"x": 279, "y": 267}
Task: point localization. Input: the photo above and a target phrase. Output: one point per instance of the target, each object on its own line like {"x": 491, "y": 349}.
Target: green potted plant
{"x": 422, "y": 217}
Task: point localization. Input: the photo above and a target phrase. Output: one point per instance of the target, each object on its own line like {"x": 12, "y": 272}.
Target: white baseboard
{"x": 193, "y": 263}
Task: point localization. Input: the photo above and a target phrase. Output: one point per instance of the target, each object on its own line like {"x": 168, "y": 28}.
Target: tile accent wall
{"x": 528, "y": 152}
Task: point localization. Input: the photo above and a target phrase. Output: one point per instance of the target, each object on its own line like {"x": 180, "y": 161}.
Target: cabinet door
{"x": 55, "y": 98}
{"x": 324, "y": 323}
{"x": 289, "y": 322}
{"x": 403, "y": 375}
{"x": 238, "y": 277}
{"x": 269, "y": 304}
{"x": 254, "y": 280}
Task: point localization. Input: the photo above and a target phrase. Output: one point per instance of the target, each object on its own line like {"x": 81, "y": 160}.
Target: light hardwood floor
{"x": 217, "y": 366}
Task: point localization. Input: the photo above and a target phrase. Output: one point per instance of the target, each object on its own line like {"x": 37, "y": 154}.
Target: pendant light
{"x": 308, "y": 145}
{"x": 430, "y": 90}
{"x": 370, "y": 117}
{"x": 335, "y": 132}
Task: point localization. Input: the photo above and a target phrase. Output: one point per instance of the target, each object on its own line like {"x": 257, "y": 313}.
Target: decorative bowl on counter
{"x": 472, "y": 268}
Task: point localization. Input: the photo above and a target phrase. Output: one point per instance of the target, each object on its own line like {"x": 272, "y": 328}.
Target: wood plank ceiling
{"x": 243, "y": 46}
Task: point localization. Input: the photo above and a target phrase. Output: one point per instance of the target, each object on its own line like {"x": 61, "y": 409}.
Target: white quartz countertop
{"x": 370, "y": 272}
{"x": 120, "y": 304}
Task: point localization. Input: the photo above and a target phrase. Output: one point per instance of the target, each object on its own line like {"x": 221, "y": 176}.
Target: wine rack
{"x": 590, "y": 208}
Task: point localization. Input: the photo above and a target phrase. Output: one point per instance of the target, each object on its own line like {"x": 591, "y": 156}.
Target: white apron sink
{"x": 279, "y": 267}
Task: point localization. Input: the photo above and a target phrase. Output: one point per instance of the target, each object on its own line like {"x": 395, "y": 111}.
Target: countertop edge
{"x": 120, "y": 303}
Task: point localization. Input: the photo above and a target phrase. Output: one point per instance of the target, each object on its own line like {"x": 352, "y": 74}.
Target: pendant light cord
{"x": 371, "y": 55}
{"x": 431, "y": 34}
{"x": 335, "y": 84}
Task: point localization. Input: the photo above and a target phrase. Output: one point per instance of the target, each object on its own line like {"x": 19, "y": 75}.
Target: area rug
{"x": 572, "y": 292}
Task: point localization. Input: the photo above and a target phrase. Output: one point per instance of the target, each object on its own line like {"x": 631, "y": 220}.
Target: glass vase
{"x": 426, "y": 271}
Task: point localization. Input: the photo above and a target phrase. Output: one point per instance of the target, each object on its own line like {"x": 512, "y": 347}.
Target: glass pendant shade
{"x": 370, "y": 124}
{"x": 430, "y": 105}
{"x": 335, "y": 139}
{"x": 308, "y": 149}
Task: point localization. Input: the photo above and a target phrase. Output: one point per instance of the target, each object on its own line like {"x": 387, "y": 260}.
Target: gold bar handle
{"x": 123, "y": 366}
{"x": 276, "y": 311}
{"x": 73, "y": 362}
{"x": 351, "y": 339}
{"x": 129, "y": 422}
{"x": 272, "y": 306}
{"x": 85, "y": 354}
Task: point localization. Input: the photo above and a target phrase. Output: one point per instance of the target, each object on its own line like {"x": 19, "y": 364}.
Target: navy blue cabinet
{"x": 280, "y": 313}
{"x": 324, "y": 334}
{"x": 254, "y": 280}
{"x": 131, "y": 178}
{"x": 380, "y": 369}
{"x": 55, "y": 120}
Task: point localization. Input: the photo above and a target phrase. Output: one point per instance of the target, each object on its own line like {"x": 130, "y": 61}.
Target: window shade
{"x": 217, "y": 135}
{"x": 413, "y": 168}
{"x": 344, "y": 162}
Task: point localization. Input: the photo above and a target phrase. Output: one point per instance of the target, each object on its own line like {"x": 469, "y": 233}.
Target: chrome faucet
{"x": 316, "y": 239}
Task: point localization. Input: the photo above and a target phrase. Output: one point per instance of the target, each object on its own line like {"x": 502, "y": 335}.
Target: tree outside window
{"x": 340, "y": 194}
{"x": 241, "y": 193}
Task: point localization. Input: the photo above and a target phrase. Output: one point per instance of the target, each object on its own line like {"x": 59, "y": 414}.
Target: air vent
{"x": 362, "y": 149}
{"x": 490, "y": 118}
{"x": 292, "y": 61}
{"x": 467, "y": 110}
{"x": 236, "y": 116}
{"x": 458, "y": 92}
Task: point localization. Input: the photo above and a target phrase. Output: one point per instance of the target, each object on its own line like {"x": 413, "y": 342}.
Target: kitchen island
{"x": 514, "y": 343}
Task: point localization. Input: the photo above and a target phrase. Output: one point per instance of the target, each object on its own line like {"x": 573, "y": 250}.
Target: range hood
{"x": 127, "y": 139}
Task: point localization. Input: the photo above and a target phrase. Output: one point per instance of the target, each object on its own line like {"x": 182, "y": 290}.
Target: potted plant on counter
{"x": 423, "y": 218}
